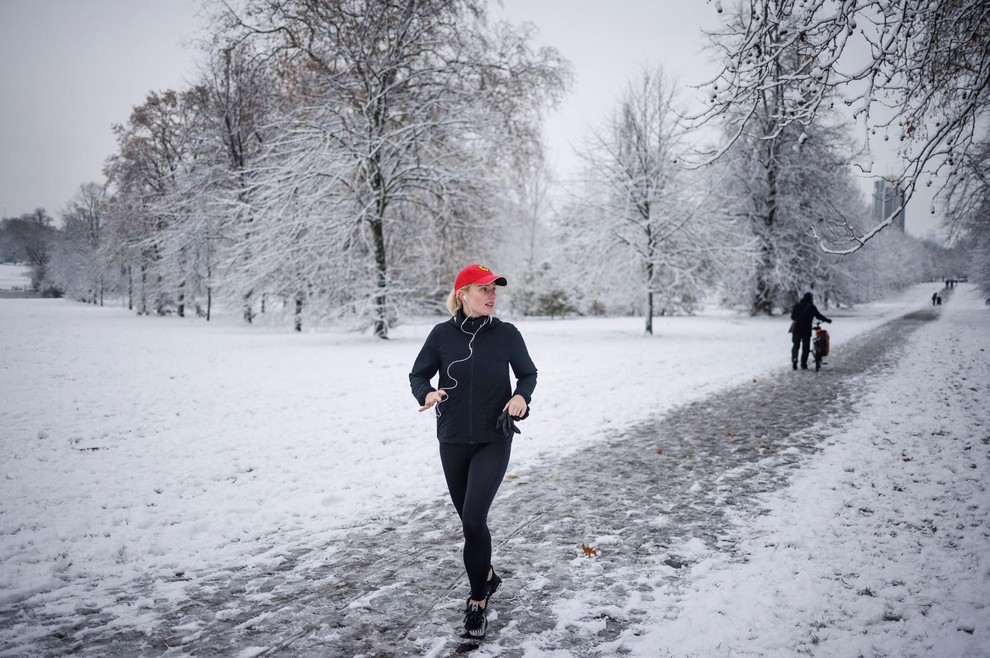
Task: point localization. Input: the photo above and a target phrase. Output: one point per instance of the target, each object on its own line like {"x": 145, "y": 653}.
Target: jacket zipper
{"x": 471, "y": 399}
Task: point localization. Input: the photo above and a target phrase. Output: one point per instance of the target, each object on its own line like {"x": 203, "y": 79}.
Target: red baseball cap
{"x": 478, "y": 275}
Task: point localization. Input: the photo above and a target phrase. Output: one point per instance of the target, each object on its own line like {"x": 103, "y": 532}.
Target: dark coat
{"x": 477, "y": 387}
{"x": 803, "y": 314}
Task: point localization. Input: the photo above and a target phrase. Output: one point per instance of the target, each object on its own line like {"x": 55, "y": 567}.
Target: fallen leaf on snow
{"x": 590, "y": 551}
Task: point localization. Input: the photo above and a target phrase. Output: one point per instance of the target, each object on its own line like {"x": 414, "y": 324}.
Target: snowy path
{"x": 645, "y": 499}
{"x": 880, "y": 545}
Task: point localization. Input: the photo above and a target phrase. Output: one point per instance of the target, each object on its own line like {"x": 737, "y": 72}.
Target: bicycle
{"x": 820, "y": 345}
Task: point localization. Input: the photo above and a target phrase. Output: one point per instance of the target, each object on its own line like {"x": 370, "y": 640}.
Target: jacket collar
{"x": 465, "y": 323}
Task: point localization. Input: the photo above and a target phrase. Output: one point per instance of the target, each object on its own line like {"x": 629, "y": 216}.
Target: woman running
{"x": 476, "y": 408}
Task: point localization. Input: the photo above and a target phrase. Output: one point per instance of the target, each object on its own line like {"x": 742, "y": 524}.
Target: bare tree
{"x": 637, "y": 196}
{"x": 36, "y": 236}
{"x": 922, "y": 80}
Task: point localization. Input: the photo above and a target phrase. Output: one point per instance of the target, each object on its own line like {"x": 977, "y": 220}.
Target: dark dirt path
{"x": 393, "y": 587}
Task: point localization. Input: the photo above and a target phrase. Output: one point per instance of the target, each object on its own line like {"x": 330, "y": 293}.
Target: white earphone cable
{"x": 473, "y": 335}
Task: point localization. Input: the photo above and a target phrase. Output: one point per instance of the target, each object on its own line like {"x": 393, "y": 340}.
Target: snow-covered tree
{"x": 399, "y": 120}
{"x": 525, "y": 244}
{"x": 967, "y": 219}
{"x": 143, "y": 175}
{"x": 241, "y": 95}
{"x": 916, "y": 72}
{"x": 77, "y": 267}
{"x": 786, "y": 179}
{"x": 635, "y": 203}
{"x": 207, "y": 202}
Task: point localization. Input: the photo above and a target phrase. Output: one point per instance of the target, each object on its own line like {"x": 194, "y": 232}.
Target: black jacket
{"x": 477, "y": 388}
{"x": 803, "y": 314}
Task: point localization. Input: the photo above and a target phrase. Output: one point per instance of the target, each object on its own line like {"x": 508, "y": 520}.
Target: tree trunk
{"x": 209, "y": 286}
{"x": 649, "y": 298}
{"x": 381, "y": 259}
{"x": 765, "y": 292}
{"x": 248, "y": 311}
{"x": 144, "y": 289}
{"x": 651, "y": 247}
{"x": 299, "y": 310}
{"x": 377, "y": 184}
{"x": 649, "y": 312}
{"x": 381, "y": 298}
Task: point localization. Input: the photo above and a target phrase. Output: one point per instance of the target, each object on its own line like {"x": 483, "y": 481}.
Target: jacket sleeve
{"x": 522, "y": 367}
{"x": 427, "y": 364}
{"x": 820, "y": 316}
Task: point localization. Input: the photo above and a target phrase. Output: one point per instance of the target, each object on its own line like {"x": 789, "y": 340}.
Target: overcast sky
{"x": 70, "y": 69}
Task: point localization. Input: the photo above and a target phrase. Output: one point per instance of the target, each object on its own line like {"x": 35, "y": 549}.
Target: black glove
{"x": 506, "y": 424}
{"x": 829, "y": 321}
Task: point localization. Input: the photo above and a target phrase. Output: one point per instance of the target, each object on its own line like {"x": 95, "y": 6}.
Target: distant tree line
{"x": 30, "y": 239}
{"x": 339, "y": 160}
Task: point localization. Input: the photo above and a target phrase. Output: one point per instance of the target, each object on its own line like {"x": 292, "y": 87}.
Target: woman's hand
{"x": 432, "y": 398}
{"x": 516, "y": 406}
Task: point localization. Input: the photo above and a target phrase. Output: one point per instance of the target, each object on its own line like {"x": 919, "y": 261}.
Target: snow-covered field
{"x": 14, "y": 277}
{"x": 133, "y": 446}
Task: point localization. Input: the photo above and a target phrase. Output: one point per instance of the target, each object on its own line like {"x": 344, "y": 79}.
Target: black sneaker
{"x": 493, "y": 584}
{"x": 475, "y": 621}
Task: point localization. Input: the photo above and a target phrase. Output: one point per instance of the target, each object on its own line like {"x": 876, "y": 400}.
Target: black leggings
{"x": 804, "y": 344}
{"x": 474, "y": 472}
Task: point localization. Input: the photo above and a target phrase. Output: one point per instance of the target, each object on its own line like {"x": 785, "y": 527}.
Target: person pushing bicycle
{"x": 803, "y": 314}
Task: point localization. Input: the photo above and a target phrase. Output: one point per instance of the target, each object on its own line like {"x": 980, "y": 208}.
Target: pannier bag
{"x": 822, "y": 335}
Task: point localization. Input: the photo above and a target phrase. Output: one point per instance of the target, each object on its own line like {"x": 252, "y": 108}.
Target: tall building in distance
{"x": 888, "y": 197}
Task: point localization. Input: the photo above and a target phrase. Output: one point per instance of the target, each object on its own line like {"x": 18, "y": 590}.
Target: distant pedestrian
{"x": 934, "y": 297}
{"x": 476, "y": 409}
{"x": 938, "y": 300}
{"x": 803, "y": 314}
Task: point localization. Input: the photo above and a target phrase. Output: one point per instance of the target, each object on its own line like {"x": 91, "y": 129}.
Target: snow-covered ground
{"x": 134, "y": 446}
{"x": 880, "y": 546}
{"x": 14, "y": 277}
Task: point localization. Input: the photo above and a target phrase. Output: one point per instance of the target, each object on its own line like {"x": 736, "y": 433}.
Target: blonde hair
{"x": 454, "y": 303}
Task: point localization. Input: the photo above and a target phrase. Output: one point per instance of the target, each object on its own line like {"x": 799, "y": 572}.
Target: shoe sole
{"x": 471, "y": 635}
